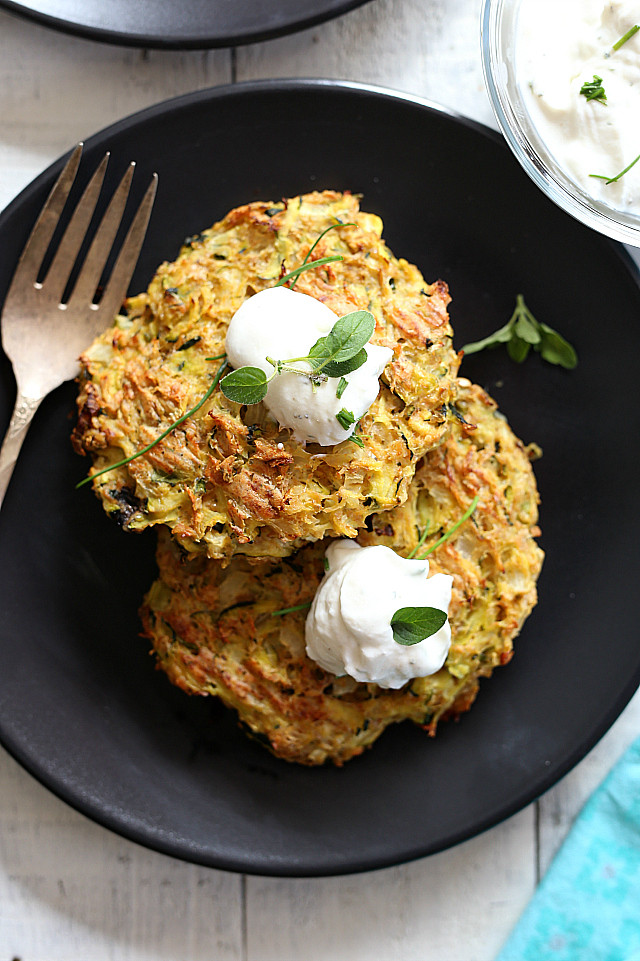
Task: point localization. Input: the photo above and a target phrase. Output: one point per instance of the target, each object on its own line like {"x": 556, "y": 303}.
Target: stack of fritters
{"x": 228, "y": 479}
{"x": 214, "y": 631}
{"x": 243, "y": 509}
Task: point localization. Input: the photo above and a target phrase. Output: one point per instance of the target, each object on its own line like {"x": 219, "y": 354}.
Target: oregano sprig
{"x": 338, "y": 353}
{"x": 521, "y": 333}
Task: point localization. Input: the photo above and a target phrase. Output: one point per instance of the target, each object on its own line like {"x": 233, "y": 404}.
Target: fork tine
{"x": 58, "y": 273}
{"x": 40, "y": 237}
{"x": 116, "y": 288}
{"x": 101, "y": 244}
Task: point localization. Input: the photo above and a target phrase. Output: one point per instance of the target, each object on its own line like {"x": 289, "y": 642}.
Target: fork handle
{"x": 21, "y": 418}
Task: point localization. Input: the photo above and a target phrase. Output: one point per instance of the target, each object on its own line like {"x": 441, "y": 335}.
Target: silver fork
{"x": 42, "y": 336}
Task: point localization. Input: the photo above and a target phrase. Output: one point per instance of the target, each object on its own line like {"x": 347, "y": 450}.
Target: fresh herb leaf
{"x": 518, "y": 349}
{"x": 410, "y": 625}
{"x": 445, "y": 537}
{"x": 344, "y": 342}
{"x": 356, "y": 439}
{"x": 555, "y": 349}
{"x": 593, "y": 90}
{"x": 527, "y": 329}
{"x": 342, "y": 386}
{"x": 246, "y": 385}
{"x": 523, "y": 332}
{"x": 325, "y": 563}
{"x": 339, "y": 368}
{"x": 345, "y": 418}
{"x": 613, "y": 180}
{"x": 627, "y": 36}
{"x": 165, "y": 433}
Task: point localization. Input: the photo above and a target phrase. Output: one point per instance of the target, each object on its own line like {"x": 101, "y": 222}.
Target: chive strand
{"x": 613, "y": 180}
{"x": 628, "y": 35}
{"x": 423, "y": 538}
{"x": 317, "y": 241}
{"x": 445, "y": 537}
{"x": 165, "y": 433}
{"x": 315, "y": 263}
{"x": 288, "y": 610}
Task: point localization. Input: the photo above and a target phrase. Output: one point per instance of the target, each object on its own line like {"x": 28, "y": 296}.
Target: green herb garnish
{"x": 288, "y": 610}
{"x": 523, "y": 332}
{"x": 421, "y": 541}
{"x": 445, "y": 537}
{"x": 312, "y": 248}
{"x": 613, "y": 180}
{"x": 410, "y": 625}
{"x": 342, "y": 386}
{"x": 294, "y": 274}
{"x": 593, "y": 90}
{"x": 628, "y": 35}
{"x": 165, "y": 433}
{"x": 345, "y": 418}
{"x": 337, "y": 354}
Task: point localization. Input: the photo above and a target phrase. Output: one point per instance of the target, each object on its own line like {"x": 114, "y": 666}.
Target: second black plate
{"x": 80, "y": 703}
{"x": 187, "y": 24}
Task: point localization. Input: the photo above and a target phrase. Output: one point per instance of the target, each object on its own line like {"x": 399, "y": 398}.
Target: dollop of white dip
{"x": 348, "y": 629}
{"x": 560, "y": 45}
{"x": 281, "y": 323}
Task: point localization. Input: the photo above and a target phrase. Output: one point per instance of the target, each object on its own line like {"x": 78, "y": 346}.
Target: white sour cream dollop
{"x": 348, "y": 629}
{"x": 281, "y": 323}
{"x": 559, "y": 47}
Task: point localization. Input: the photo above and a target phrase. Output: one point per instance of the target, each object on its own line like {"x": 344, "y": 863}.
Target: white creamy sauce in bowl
{"x": 561, "y": 45}
{"x": 348, "y": 629}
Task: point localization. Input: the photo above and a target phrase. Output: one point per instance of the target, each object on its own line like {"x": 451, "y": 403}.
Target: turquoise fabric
{"x": 587, "y": 907}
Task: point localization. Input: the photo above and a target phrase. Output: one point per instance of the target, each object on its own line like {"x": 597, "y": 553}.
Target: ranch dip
{"x": 563, "y": 45}
{"x": 348, "y": 629}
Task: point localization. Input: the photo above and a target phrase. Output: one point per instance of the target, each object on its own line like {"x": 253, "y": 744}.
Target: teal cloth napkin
{"x": 587, "y": 907}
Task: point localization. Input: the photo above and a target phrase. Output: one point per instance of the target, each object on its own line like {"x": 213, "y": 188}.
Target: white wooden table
{"x": 70, "y": 890}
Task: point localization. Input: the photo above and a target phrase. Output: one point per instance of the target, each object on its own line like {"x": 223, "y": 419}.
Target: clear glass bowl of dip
{"x": 498, "y": 37}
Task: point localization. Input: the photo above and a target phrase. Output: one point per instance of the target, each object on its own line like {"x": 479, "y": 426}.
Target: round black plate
{"x": 82, "y": 707}
{"x": 182, "y": 25}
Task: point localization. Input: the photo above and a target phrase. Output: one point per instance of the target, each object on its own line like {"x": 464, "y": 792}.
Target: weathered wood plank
{"x": 430, "y": 48}
{"x": 70, "y": 890}
{"x": 57, "y": 90}
{"x": 559, "y": 806}
{"x": 453, "y": 906}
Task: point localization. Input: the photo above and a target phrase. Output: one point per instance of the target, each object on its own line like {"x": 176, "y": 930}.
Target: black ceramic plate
{"x": 81, "y": 705}
{"x": 180, "y": 24}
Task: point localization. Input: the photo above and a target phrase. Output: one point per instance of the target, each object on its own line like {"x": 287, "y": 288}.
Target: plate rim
{"x": 159, "y": 41}
{"x": 360, "y": 862}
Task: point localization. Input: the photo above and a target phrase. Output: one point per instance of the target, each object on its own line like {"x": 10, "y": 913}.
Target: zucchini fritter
{"x": 228, "y": 479}
{"x": 213, "y": 631}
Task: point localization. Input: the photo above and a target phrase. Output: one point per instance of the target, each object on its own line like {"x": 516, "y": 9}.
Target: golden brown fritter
{"x": 228, "y": 480}
{"x": 213, "y": 631}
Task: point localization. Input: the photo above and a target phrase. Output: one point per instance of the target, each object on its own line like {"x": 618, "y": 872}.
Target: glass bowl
{"x": 498, "y": 38}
